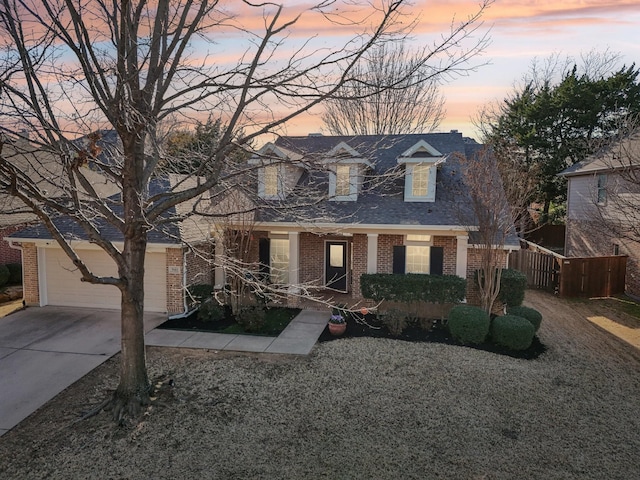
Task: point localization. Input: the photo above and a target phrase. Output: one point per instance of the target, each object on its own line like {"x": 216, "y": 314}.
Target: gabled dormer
{"x": 346, "y": 172}
{"x": 279, "y": 170}
{"x": 421, "y": 165}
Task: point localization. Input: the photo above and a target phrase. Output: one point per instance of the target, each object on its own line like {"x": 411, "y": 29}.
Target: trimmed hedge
{"x": 531, "y": 314}
{"x": 512, "y": 332}
{"x": 512, "y": 286}
{"x": 468, "y": 324}
{"x": 15, "y": 271}
{"x": 4, "y": 275}
{"x": 201, "y": 291}
{"x": 413, "y": 287}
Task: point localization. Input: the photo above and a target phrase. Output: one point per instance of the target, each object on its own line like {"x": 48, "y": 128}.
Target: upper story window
{"x": 421, "y": 163}
{"x": 419, "y": 185}
{"x": 343, "y": 180}
{"x": 271, "y": 181}
{"x": 601, "y": 192}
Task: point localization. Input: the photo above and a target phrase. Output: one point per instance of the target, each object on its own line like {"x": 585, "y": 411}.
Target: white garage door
{"x": 65, "y": 288}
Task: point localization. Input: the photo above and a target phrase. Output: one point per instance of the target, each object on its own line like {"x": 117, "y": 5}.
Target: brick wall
{"x": 312, "y": 258}
{"x": 385, "y": 251}
{"x": 8, "y": 254}
{"x": 199, "y": 262}
{"x": 30, "y": 285}
{"x": 175, "y": 292}
{"x": 450, "y": 253}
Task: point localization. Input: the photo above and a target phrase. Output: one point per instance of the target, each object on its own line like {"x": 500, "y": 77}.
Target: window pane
{"x": 343, "y": 185}
{"x": 336, "y": 256}
{"x": 420, "y": 179}
{"x": 279, "y": 259}
{"x": 602, "y": 188}
{"x": 271, "y": 180}
{"x": 417, "y": 259}
{"x": 418, "y": 238}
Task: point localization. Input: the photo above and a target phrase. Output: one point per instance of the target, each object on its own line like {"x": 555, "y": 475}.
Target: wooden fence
{"x": 571, "y": 276}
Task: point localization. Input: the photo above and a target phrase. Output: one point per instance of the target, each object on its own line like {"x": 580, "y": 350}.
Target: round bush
{"x": 531, "y": 314}
{"x": 15, "y": 271}
{"x": 468, "y": 324}
{"x": 512, "y": 286}
{"x": 4, "y": 275}
{"x": 512, "y": 332}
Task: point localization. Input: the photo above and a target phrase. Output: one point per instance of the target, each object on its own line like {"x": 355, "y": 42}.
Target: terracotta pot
{"x": 337, "y": 329}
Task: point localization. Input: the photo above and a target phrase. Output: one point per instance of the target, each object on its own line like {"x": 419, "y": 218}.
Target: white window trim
{"x": 431, "y": 183}
{"x": 601, "y": 187}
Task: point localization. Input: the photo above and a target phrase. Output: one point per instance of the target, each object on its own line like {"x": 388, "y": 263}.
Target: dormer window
{"x": 346, "y": 170}
{"x": 271, "y": 181}
{"x": 421, "y": 165}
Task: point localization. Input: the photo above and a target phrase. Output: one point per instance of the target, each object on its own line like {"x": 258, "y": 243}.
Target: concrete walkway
{"x": 45, "y": 350}
{"x": 298, "y": 338}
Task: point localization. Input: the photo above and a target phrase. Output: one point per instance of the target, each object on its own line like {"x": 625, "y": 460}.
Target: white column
{"x": 372, "y": 253}
{"x": 219, "y": 279}
{"x": 461, "y": 255}
{"x": 294, "y": 257}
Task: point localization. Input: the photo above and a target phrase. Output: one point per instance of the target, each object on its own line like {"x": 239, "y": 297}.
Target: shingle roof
{"x": 383, "y": 204}
{"x": 168, "y": 233}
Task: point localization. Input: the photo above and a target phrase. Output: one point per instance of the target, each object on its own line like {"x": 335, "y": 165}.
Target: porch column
{"x": 294, "y": 257}
{"x": 219, "y": 276}
{"x": 372, "y": 253}
{"x": 461, "y": 255}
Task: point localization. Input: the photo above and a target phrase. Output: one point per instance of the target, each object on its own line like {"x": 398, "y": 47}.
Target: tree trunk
{"x": 133, "y": 392}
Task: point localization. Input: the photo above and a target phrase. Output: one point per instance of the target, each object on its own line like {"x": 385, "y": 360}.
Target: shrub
{"x": 531, "y": 314}
{"x": 512, "y": 332}
{"x": 468, "y": 324}
{"x": 395, "y": 321}
{"x": 512, "y": 286}
{"x": 211, "y": 311}
{"x": 4, "y": 275}
{"x": 413, "y": 288}
{"x": 200, "y": 291}
{"x": 251, "y": 318}
{"x": 15, "y": 272}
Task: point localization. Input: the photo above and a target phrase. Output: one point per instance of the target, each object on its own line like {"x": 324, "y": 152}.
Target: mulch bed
{"x": 437, "y": 334}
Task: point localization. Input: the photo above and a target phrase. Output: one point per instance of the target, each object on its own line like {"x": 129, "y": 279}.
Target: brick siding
{"x": 8, "y": 254}
{"x": 31, "y": 290}
{"x": 175, "y": 292}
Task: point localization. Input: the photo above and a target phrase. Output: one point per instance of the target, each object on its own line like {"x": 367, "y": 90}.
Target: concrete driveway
{"x": 44, "y": 350}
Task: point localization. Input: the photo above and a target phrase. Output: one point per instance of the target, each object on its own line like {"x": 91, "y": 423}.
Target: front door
{"x": 336, "y": 265}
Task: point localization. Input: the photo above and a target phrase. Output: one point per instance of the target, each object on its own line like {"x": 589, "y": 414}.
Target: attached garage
{"x": 62, "y": 285}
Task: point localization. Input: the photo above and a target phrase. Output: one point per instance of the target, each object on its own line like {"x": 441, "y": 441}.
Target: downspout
{"x": 186, "y": 312}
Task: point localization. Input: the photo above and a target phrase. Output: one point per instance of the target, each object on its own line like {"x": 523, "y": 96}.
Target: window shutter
{"x": 436, "y": 260}
{"x": 399, "y": 259}
{"x": 263, "y": 257}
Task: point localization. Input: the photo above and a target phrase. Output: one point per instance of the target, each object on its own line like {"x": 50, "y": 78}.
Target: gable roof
{"x": 618, "y": 155}
{"x": 383, "y": 203}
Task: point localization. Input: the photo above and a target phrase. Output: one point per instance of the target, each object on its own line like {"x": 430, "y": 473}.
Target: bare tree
{"x": 394, "y": 89}
{"x": 490, "y": 220}
{"x": 71, "y": 68}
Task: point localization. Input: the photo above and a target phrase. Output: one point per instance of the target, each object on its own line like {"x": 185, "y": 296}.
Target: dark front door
{"x": 336, "y": 265}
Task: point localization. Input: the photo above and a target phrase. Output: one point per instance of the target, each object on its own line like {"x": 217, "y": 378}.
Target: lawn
{"x": 358, "y": 408}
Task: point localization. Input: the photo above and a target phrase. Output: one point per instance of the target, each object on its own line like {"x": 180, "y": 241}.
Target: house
{"x": 331, "y": 208}
{"x": 44, "y": 170}
{"x": 49, "y": 277}
{"x": 603, "y": 207}
{"x": 313, "y": 214}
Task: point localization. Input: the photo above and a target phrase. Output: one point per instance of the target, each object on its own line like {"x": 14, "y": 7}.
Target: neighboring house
{"x": 49, "y": 277}
{"x": 603, "y": 207}
{"x": 45, "y": 171}
{"x": 377, "y": 204}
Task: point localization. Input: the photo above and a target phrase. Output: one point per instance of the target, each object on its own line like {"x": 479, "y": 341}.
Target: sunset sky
{"x": 520, "y": 31}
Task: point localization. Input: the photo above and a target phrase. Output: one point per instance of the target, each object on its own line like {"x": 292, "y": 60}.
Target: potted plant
{"x": 337, "y": 324}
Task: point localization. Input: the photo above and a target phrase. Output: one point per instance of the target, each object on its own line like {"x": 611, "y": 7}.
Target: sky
{"x": 520, "y": 31}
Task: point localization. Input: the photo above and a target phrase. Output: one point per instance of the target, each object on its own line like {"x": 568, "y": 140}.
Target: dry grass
{"x": 359, "y": 408}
